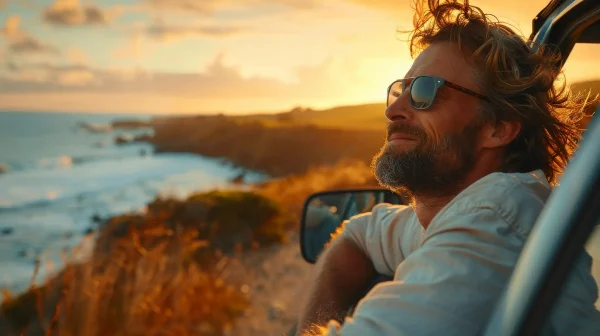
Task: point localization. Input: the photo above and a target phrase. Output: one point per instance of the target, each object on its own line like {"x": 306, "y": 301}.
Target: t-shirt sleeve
{"x": 448, "y": 286}
{"x": 378, "y": 234}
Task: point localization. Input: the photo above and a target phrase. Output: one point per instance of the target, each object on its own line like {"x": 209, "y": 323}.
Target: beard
{"x": 436, "y": 168}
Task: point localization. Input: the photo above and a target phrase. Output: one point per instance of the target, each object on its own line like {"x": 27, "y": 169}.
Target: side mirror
{"x": 324, "y": 213}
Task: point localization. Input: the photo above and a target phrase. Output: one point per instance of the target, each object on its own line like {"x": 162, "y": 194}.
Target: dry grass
{"x": 165, "y": 272}
{"x": 132, "y": 290}
{"x": 292, "y": 191}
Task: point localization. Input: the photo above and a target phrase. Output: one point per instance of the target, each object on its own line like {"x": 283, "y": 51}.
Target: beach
{"x": 63, "y": 180}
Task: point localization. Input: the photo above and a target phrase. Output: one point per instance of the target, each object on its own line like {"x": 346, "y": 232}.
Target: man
{"x": 477, "y": 135}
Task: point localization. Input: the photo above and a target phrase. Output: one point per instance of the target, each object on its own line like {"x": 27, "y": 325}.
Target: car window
{"x": 577, "y": 304}
{"x": 593, "y": 248}
{"x": 583, "y": 74}
{"x": 575, "y": 312}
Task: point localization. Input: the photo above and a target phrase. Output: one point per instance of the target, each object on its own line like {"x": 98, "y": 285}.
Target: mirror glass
{"x": 325, "y": 212}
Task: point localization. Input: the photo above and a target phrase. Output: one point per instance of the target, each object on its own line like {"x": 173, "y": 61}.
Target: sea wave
{"x": 42, "y": 187}
{"x": 68, "y": 162}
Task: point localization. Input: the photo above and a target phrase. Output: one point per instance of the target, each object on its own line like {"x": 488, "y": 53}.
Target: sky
{"x": 216, "y": 56}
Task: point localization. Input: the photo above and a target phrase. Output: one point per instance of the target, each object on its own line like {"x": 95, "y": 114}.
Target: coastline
{"x": 306, "y": 168}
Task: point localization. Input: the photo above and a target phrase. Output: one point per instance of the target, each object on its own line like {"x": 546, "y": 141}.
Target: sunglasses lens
{"x": 394, "y": 92}
{"x": 422, "y": 92}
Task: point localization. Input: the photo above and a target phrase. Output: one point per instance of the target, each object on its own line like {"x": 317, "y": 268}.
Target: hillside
{"x": 277, "y": 148}
{"x": 593, "y": 86}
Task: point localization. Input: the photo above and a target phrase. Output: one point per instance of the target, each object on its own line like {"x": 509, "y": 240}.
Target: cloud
{"x": 207, "y": 7}
{"x": 77, "y": 56}
{"x": 220, "y": 87}
{"x": 11, "y": 27}
{"x": 72, "y": 13}
{"x": 203, "y": 7}
{"x": 134, "y": 48}
{"x": 20, "y": 42}
{"x": 30, "y": 45}
{"x": 163, "y": 32}
{"x": 43, "y": 76}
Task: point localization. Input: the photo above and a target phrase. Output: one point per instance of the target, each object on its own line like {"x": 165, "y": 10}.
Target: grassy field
{"x": 164, "y": 272}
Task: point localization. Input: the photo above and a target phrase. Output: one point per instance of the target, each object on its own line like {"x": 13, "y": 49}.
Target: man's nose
{"x": 400, "y": 108}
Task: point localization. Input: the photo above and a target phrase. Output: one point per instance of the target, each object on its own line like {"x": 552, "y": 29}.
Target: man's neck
{"x": 427, "y": 207}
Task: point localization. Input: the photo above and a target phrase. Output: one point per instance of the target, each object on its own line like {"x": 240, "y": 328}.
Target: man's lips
{"x": 400, "y": 136}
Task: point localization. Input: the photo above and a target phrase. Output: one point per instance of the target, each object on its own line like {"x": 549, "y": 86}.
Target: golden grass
{"x": 165, "y": 272}
{"x": 133, "y": 290}
{"x": 292, "y": 191}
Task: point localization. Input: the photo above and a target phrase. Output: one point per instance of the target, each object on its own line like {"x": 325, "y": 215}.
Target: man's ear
{"x": 501, "y": 134}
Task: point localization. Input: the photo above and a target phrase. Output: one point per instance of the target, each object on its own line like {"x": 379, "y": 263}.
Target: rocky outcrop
{"x": 131, "y": 124}
{"x": 3, "y": 168}
{"x": 96, "y": 128}
{"x": 259, "y": 146}
{"x": 124, "y": 138}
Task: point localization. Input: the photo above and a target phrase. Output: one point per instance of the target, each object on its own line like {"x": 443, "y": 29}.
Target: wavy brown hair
{"x": 522, "y": 84}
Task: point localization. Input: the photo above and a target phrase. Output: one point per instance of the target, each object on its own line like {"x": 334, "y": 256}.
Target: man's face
{"x": 431, "y": 151}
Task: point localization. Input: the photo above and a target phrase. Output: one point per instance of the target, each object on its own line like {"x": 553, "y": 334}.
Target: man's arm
{"x": 340, "y": 278}
{"x": 448, "y": 286}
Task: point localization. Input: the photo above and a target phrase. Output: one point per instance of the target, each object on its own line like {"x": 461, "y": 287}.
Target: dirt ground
{"x": 276, "y": 279}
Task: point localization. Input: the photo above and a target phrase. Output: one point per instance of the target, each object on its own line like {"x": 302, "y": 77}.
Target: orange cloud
{"x": 72, "y": 13}
{"x": 77, "y": 56}
{"x": 20, "y": 42}
{"x": 206, "y": 7}
{"x": 163, "y": 32}
{"x": 219, "y": 88}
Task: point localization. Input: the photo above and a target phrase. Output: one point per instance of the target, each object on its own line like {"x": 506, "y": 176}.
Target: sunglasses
{"x": 423, "y": 90}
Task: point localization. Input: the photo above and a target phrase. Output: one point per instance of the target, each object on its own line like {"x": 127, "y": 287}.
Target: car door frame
{"x": 572, "y": 211}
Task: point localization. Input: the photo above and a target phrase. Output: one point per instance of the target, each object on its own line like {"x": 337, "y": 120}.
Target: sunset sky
{"x": 206, "y": 56}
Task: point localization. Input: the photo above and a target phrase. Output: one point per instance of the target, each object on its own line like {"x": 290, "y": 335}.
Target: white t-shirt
{"x": 448, "y": 278}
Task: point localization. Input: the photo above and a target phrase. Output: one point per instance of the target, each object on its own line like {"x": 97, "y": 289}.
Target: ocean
{"x": 58, "y": 179}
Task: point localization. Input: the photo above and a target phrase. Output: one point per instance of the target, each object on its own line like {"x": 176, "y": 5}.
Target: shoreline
{"x": 46, "y": 230}
{"x": 280, "y": 201}
{"x": 293, "y": 156}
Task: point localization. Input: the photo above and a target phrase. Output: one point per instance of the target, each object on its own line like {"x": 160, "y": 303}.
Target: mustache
{"x": 403, "y": 128}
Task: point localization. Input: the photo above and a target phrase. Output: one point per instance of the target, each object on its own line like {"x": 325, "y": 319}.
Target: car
{"x": 568, "y": 220}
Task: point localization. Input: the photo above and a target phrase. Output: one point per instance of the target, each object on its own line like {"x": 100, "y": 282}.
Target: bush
{"x": 223, "y": 220}
{"x": 131, "y": 290}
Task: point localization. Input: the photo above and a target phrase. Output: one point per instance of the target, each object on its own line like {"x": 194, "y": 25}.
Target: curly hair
{"x": 522, "y": 83}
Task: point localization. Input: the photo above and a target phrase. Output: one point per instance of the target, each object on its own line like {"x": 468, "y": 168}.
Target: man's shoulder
{"x": 516, "y": 197}
{"x": 497, "y": 188}
{"x": 385, "y": 212}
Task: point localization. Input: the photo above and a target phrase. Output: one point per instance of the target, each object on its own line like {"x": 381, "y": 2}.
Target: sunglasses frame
{"x": 438, "y": 82}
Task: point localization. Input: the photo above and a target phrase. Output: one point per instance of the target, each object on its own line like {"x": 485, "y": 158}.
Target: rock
{"x": 239, "y": 179}
{"x": 27, "y": 253}
{"x": 123, "y": 139}
{"x": 89, "y": 231}
{"x": 276, "y": 311}
{"x": 6, "y": 231}
{"x": 3, "y": 168}
{"x": 131, "y": 124}
{"x": 96, "y": 128}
